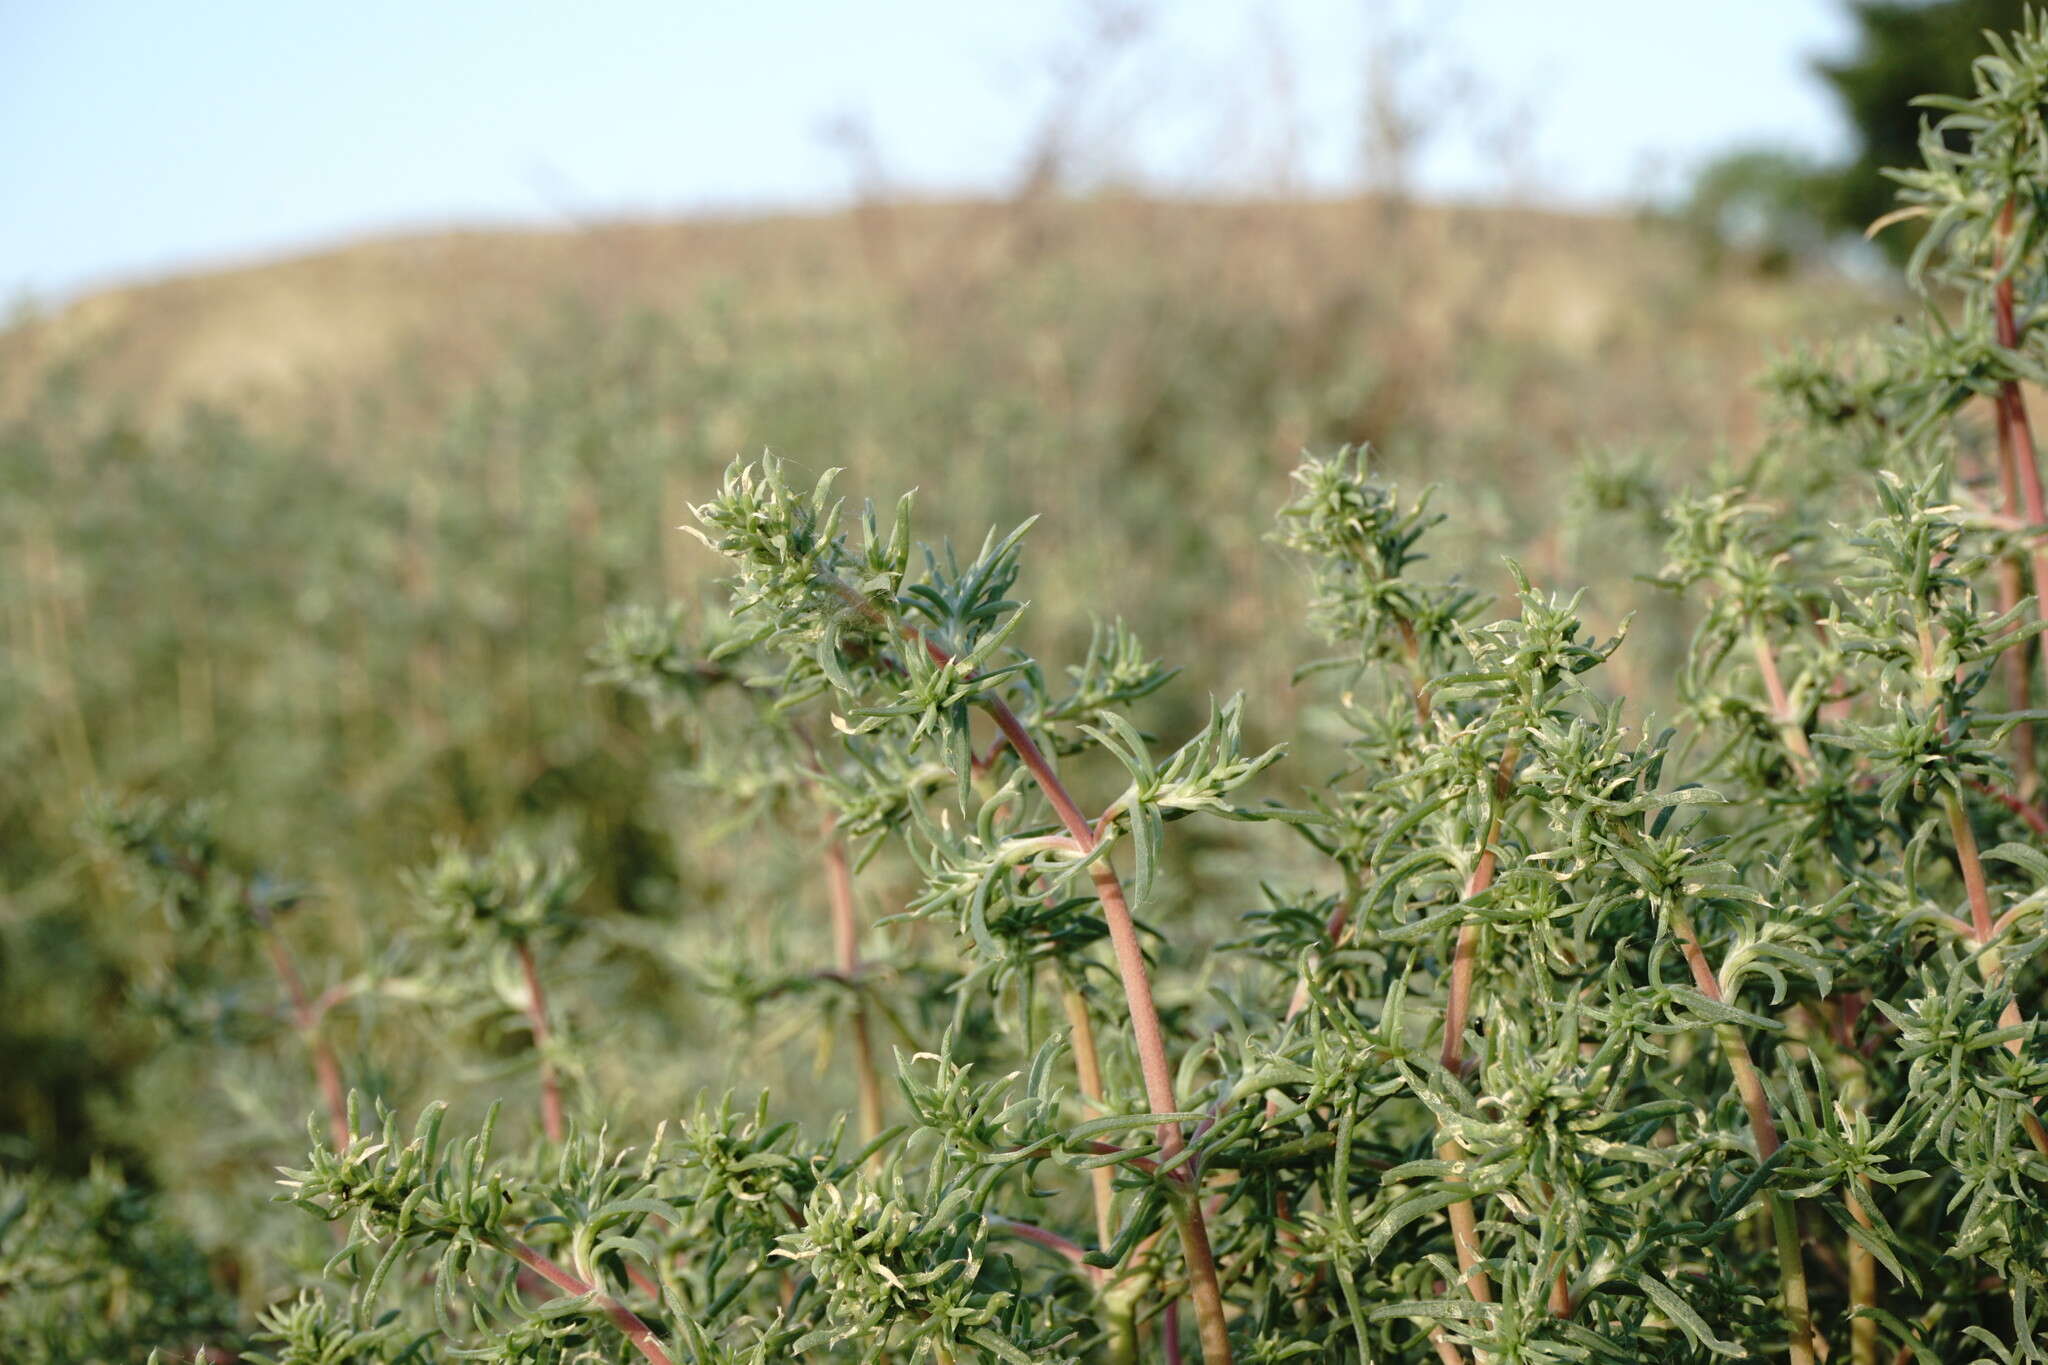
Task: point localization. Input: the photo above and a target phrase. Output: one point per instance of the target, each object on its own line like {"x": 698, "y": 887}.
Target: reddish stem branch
{"x": 1764, "y": 1129}
{"x": 308, "y": 1018}
{"x": 1457, "y": 1015}
{"x": 1137, "y": 982}
{"x": 846, "y": 938}
{"x": 2026, "y": 810}
{"x": 1051, "y": 1241}
{"x": 2019, "y": 677}
{"x": 625, "y": 1319}
{"x": 1561, "y": 1304}
{"x": 2015, "y": 429}
{"x": 1984, "y": 930}
{"x": 1781, "y": 701}
{"x": 1150, "y": 1038}
{"x": 1088, "y": 1070}
{"x": 537, "y": 1018}
{"x": 2011, "y": 421}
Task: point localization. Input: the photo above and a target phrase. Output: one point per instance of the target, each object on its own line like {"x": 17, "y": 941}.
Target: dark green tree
{"x": 1904, "y": 49}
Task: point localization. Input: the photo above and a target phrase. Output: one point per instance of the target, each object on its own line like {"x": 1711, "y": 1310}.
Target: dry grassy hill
{"x": 1441, "y": 286}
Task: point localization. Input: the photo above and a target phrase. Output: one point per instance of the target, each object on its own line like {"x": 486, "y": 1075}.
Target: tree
{"x": 1903, "y": 49}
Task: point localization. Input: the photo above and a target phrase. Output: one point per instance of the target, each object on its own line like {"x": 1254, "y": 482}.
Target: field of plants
{"x": 656, "y": 898}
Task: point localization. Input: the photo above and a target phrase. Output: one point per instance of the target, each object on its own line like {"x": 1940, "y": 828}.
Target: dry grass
{"x": 283, "y": 340}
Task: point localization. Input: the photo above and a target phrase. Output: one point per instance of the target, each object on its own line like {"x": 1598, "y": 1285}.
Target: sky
{"x": 139, "y": 137}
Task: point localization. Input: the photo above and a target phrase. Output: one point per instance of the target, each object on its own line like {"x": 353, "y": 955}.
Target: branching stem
{"x": 846, "y": 939}
{"x": 625, "y": 1319}
{"x": 537, "y": 1018}
{"x": 1984, "y": 930}
{"x": 1457, "y": 1015}
{"x": 1788, "y": 725}
{"x": 309, "y": 1018}
{"x": 1764, "y": 1130}
{"x": 1145, "y": 1028}
{"x": 1137, "y": 983}
{"x": 1088, "y": 1070}
{"x": 2017, "y": 455}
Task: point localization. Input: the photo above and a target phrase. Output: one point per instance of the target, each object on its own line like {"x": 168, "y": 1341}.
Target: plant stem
{"x": 1137, "y": 983}
{"x": 1333, "y": 930}
{"x": 2015, "y": 430}
{"x": 2036, "y": 820}
{"x": 1863, "y": 1342}
{"x": 639, "y": 1333}
{"x": 1989, "y": 960}
{"x": 1038, "y": 1236}
{"x": 2019, "y": 677}
{"x": 309, "y": 1018}
{"x": 1130, "y": 962}
{"x": 1088, "y": 1069}
{"x": 537, "y": 1017}
{"x": 1764, "y": 1129}
{"x": 1970, "y": 862}
{"x": 1411, "y": 647}
{"x": 1458, "y": 1011}
{"x": 846, "y": 937}
{"x": 1781, "y": 701}
{"x": 1145, "y": 1029}
{"x": 1847, "y": 1063}
{"x": 1862, "y": 1265}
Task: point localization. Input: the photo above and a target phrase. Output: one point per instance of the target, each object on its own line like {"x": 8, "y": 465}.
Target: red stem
{"x": 1046, "y": 1238}
{"x": 1764, "y": 1129}
{"x": 1762, "y": 1126}
{"x": 2013, "y": 473}
{"x": 537, "y": 1016}
{"x": 1137, "y": 984}
{"x": 2026, "y": 810}
{"x": 2015, "y": 429}
{"x": 1150, "y": 1038}
{"x": 1458, "y": 1011}
{"x": 846, "y": 940}
{"x": 308, "y": 1018}
{"x": 639, "y": 1333}
{"x": 1971, "y": 863}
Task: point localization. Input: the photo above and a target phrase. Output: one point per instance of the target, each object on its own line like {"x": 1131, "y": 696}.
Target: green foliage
{"x": 93, "y": 1270}
{"x": 1775, "y": 208}
{"x": 509, "y": 893}
{"x": 1904, "y": 49}
{"x": 1489, "y": 1019}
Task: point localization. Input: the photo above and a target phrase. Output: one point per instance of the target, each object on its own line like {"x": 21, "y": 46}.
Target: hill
{"x": 277, "y": 337}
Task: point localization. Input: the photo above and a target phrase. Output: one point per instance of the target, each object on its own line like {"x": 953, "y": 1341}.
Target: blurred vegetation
{"x": 1902, "y": 51}
{"x": 1767, "y": 207}
{"x": 328, "y": 543}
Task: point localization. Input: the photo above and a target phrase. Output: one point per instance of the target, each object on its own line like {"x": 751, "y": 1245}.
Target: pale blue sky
{"x": 138, "y": 136}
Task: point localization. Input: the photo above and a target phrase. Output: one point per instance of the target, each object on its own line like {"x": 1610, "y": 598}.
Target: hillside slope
{"x": 280, "y": 338}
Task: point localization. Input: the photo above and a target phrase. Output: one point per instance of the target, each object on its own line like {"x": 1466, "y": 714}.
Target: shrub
{"x": 1555, "y": 1033}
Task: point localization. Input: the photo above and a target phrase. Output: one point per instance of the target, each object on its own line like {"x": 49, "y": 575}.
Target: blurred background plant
{"x": 1768, "y": 207}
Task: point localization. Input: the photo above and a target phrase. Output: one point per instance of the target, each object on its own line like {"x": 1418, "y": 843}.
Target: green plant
{"x": 1491, "y": 1020}
{"x": 1902, "y": 50}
